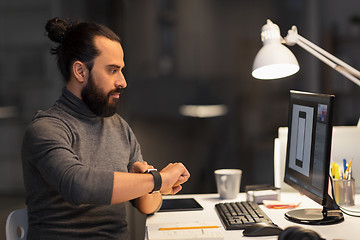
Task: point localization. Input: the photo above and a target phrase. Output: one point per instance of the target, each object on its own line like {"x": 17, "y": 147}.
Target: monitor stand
{"x": 330, "y": 214}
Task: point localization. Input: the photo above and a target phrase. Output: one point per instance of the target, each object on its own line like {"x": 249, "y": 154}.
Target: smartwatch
{"x": 157, "y": 179}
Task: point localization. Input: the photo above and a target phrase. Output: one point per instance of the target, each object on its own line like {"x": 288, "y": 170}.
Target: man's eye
{"x": 113, "y": 70}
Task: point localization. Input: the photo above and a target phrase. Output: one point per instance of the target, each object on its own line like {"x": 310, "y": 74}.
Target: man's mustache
{"x": 117, "y": 90}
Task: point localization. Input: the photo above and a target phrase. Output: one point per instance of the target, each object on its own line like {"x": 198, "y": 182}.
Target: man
{"x": 81, "y": 160}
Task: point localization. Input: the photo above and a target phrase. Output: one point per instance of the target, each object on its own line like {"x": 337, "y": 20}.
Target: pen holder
{"x": 344, "y": 191}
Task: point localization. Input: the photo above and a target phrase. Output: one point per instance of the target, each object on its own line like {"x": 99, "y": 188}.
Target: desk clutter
{"x": 206, "y": 224}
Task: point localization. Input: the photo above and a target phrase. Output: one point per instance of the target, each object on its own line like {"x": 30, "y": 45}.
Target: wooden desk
{"x": 348, "y": 229}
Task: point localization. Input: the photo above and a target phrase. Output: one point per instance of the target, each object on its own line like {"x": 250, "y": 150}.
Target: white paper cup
{"x": 228, "y": 182}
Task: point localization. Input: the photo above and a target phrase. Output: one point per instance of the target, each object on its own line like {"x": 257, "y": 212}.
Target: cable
{"x": 349, "y": 212}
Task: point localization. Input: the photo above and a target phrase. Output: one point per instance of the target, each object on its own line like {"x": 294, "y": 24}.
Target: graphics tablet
{"x": 180, "y": 204}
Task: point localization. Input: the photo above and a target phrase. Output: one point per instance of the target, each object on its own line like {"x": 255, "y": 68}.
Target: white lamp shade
{"x": 273, "y": 61}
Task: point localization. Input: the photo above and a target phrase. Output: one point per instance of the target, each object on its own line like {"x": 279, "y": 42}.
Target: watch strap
{"x": 157, "y": 180}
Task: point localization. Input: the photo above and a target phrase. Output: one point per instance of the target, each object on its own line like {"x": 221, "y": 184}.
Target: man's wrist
{"x": 157, "y": 180}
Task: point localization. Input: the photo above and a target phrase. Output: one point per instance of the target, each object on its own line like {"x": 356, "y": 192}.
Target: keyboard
{"x": 239, "y": 215}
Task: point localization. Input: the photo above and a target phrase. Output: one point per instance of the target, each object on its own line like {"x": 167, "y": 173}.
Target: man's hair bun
{"x": 56, "y": 29}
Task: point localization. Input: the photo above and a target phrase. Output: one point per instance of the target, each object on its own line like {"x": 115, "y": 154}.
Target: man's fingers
{"x": 176, "y": 189}
{"x": 140, "y": 167}
{"x": 181, "y": 180}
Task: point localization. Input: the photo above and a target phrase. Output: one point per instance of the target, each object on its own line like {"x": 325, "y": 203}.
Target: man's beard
{"x": 97, "y": 101}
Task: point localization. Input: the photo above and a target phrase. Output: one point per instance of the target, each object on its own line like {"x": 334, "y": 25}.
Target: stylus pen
{"x": 186, "y": 228}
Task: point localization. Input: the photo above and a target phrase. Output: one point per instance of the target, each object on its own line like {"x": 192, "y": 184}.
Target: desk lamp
{"x": 274, "y": 60}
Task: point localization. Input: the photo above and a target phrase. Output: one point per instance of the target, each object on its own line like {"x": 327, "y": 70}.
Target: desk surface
{"x": 345, "y": 230}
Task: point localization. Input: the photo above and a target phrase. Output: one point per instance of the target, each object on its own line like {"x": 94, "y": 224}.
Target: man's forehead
{"x": 109, "y": 49}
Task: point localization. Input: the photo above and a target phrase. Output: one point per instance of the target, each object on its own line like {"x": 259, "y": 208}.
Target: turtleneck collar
{"x": 75, "y": 104}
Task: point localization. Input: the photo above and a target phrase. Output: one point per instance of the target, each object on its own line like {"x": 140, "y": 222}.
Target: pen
{"x": 344, "y": 162}
{"x": 337, "y": 176}
{"x": 186, "y": 228}
{"x": 348, "y": 169}
{"x": 333, "y": 169}
{"x": 350, "y": 174}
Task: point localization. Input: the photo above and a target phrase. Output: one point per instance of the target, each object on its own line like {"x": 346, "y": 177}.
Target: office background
{"x": 180, "y": 52}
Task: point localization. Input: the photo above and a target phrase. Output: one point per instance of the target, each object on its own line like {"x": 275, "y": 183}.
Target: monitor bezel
{"x": 315, "y": 98}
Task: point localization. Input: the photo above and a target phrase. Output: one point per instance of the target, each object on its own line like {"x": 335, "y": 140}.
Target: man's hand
{"x": 173, "y": 175}
{"x": 140, "y": 167}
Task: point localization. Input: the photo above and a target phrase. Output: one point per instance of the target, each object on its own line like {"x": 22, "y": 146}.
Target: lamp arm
{"x": 346, "y": 70}
{"x": 351, "y": 70}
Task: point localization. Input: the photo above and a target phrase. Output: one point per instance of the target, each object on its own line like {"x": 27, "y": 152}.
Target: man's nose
{"x": 121, "y": 81}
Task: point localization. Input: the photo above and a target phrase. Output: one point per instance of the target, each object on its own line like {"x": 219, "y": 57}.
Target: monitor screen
{"x": 308, "y": 151}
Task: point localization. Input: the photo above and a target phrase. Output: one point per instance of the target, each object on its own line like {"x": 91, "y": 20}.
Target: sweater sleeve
{"x": 135, "y": 150}
{"x": 47, "y": 148}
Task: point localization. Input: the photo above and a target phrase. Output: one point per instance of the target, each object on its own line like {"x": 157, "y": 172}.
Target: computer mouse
{"x": 262, "y": 229}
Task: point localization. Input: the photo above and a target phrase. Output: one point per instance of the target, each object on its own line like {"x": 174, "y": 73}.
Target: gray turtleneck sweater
{"x": 69, "y": 155}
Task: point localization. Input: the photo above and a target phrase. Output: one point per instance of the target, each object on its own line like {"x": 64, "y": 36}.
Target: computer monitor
{"x": 308, "y": 156}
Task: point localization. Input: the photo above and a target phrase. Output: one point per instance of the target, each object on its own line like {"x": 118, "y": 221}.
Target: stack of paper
{"x": 184, "y": 231}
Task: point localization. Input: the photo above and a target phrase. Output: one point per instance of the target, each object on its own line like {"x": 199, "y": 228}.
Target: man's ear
{"x": 80, "y": 71}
